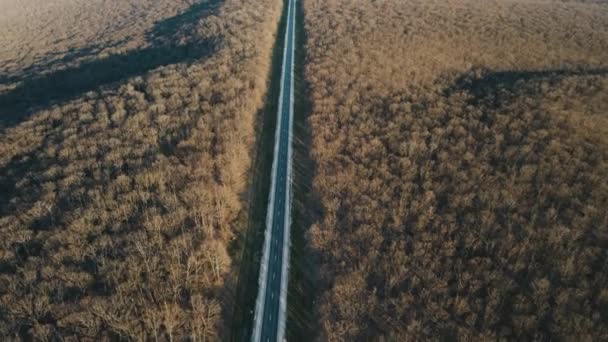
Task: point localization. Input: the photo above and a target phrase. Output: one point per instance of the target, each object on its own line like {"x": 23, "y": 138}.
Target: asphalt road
{"x": 271, "y": 304}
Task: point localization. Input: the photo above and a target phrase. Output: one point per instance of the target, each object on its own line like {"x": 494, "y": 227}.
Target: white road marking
{"x": 283, "y": 130}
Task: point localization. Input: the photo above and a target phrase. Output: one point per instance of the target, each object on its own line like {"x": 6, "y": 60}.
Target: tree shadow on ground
{"x": 39, "y": 91}
{"x": 482, "y": 82}
{"x": 50, "y": 61}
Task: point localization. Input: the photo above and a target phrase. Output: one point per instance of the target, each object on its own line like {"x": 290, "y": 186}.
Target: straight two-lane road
{"x": 271, "y": 303}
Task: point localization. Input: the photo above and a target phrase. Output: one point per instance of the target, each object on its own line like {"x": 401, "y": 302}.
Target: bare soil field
{"x": 461, "y": 156}
{"x": 124, "y": 148}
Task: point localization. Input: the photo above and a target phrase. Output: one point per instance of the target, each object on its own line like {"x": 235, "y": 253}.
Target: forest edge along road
{"x": 271, "y": 303}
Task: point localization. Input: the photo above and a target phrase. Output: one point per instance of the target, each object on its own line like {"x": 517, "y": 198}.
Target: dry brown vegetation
{"x": 119, "y": 194}
{"x": 41, "y": 36}
{"x": 461, "y": 158}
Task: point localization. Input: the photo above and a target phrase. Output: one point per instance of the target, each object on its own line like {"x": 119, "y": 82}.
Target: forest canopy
{"x": 121, "y": 175}
{"x": 461, "y": 161}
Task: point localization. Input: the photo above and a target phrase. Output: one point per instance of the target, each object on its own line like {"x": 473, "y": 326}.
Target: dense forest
{"x": 121, "y": 178}
{"x": 461, "y": 157}
{"x": 40, "y": 36}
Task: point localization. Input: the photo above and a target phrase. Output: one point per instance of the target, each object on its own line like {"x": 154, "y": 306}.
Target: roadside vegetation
{"x": 461, "y": 162}
{"x": 121, "y": 175}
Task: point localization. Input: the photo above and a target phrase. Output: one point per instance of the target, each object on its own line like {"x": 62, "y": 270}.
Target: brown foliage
{"x": 118, "y": 205}
{"x": 461, "y": 157}
{"x": 40, "y": 36}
